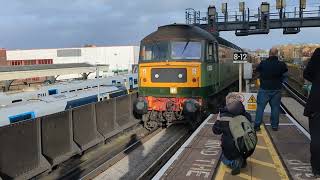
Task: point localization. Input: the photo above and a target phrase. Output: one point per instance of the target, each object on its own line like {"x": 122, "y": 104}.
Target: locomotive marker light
{"x": 240, "y": 58}
{"x": 173, "y": 90}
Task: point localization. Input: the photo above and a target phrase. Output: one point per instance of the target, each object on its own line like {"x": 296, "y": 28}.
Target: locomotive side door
{"x": 210, "y": 67}
{"x": 217, "y": 62}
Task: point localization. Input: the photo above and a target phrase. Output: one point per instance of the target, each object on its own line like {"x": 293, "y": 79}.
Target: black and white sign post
{"x": 240, "y": 58}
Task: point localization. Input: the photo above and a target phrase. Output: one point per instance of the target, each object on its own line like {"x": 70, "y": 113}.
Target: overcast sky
{"x": 29, "y": 24}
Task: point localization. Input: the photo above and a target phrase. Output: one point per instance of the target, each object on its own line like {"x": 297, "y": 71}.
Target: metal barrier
{"x": 20, "y": 151}
{"x": 57, "y": 137}
{"x": 85, "y": 127}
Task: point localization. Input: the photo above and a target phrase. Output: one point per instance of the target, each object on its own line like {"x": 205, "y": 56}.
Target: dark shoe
{"x": 244, "y": 164}
{"x": 236, "y": 166}
{"x": 235, "y": 171}
{"x": 316, "y": 174}
{"x": 275, "y": 129}
{"x": 257, "y": 129}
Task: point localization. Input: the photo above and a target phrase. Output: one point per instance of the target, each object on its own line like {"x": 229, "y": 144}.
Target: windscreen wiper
{"x": 185, "y": 47}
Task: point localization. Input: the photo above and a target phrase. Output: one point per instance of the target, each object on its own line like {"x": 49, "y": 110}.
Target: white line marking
{"x": 210, "y": 123}
{"x": 281, "y": 124}
{"x": 180, "y": 150}
{"x": 306, "y": 133}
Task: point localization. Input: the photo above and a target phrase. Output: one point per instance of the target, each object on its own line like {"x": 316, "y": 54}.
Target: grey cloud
{"x": 61, "y": 23}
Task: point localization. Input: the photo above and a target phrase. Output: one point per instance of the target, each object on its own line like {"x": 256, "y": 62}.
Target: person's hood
{"x": 236, "y": 109}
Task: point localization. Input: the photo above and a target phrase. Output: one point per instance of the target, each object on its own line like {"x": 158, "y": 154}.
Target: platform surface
{"x": 200, "y": 159}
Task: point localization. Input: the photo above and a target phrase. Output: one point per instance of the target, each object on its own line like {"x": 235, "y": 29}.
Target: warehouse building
{"x": 119, "y": 58}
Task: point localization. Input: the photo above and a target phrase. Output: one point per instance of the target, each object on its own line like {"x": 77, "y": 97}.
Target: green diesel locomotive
{"x": 181, "y": 69}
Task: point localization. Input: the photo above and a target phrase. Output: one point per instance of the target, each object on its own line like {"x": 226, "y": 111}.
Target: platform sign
{"x": 249, "y": 101}
{"x": 240, "y": 57}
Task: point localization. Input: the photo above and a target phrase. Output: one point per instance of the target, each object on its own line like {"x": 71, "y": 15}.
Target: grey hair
{"x": 233, "y": 97}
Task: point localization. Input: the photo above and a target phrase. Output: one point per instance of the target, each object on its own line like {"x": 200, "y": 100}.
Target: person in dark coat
{"x": 230, "y": 154}
{"x": 272, "y": 74}
{"x": 312, "y": 110}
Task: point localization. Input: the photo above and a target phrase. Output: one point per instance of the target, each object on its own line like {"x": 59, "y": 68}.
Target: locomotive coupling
{"x": 191, "y": 106}
{"x": 140, "y": 106}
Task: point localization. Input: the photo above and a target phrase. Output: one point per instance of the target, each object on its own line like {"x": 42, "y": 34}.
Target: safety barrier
{"x": 122, "y": 110}
{"x": 20, "y": 151}
{"x": 106, "y": 118}
{"x": 32, "y": 147}
{"x": 85, "y": 127}
{"x": 57, "y": 137}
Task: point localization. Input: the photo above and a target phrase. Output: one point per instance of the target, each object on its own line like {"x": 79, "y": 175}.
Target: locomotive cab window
{"x": 154, "y": 51}
{"x": 186, "y": 50}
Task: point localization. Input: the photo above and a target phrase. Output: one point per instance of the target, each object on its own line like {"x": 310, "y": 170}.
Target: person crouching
{"x": 238, "y": 138}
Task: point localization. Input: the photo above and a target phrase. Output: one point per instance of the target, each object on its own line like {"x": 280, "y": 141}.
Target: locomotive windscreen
{"x": 171, "y": 51}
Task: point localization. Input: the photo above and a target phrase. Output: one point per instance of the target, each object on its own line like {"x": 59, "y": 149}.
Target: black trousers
{"x": 314, "y": 127}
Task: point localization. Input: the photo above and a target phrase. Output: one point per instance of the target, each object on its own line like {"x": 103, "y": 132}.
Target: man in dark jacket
{"x": 312, "y": 110}
{"x": 230, "y": 154}
{"x": 271, "y": 77}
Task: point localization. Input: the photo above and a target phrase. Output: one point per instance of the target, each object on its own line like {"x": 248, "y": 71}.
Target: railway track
{"x": 295, "y": 94}
{"x": 145, "y": 159}
{"x": 81, "y": 165}
{"x": 300, "y": 99}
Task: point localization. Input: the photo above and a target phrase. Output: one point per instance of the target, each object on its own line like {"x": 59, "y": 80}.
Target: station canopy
{"x": 24, "y": 72}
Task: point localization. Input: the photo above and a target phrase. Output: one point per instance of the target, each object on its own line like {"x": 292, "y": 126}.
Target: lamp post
{"x": 98, "y": 80}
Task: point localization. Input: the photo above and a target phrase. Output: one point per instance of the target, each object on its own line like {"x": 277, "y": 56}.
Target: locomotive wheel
{"x": 148, "y": 123}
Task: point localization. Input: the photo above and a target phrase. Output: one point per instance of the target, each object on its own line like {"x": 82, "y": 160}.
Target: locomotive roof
{"x": 178, "y": 32}
{"x": 185, "y": 32}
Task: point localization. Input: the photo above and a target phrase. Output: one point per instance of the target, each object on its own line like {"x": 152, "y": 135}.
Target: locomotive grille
{"x": 171, "y": 75}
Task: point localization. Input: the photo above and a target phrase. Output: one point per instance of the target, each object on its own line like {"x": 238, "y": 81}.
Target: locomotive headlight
{"x": 180, "y": 76}
{"x": 173, "y": 90}
{"x": 156, "y": 76}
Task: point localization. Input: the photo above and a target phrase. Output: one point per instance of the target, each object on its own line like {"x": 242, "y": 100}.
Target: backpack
{"x": 243, "y": 134}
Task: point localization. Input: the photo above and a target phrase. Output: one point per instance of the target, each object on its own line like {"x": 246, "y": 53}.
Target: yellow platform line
{"x": 259, "y": 134}
{"x": 261, "y": 147}
{"x": 261, "y": 162}
{"x": 274, "y": 155}
{"x": 243, "y": 175}
{"x": 221, "y": 172}
{"x": 223, "y": 169}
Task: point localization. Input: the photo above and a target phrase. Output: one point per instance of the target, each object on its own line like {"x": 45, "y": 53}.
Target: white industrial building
{"x": 117, "y": 57}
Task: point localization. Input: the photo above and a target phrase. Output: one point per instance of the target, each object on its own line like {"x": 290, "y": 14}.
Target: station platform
{"x": 281, "y": 154}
